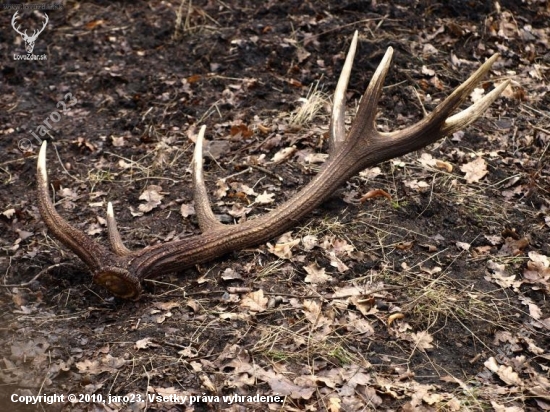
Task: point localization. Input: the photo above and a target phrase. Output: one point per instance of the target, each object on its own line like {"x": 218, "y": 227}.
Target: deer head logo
{"x": 29, "y": 40}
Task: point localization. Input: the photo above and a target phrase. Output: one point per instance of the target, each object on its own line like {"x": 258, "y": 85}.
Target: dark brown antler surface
{"x": 122, "y": 270}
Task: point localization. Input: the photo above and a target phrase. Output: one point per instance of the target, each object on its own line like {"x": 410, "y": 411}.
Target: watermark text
{"x": 32, "y": 6}
{"x": 43, "y": 129}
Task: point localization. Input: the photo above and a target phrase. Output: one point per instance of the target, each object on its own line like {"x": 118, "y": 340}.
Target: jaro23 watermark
{"x": 43, "y": 129}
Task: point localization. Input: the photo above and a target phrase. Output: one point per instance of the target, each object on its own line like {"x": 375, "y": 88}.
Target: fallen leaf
{"x": 416, "y": 184}
{"x": 94, "y": 229}
{"x": 359, "y": 324}
{"x": 281, "y": 385}
{"x": 422, "y": 340}
{"x": 534, "y": 310}
{"x": 394, "y": 317}
{"x": 405, "y": 245}
{"x": 194, "y": 78}
{"x": 265, "y": 198}
{"x": 302, "y": 54}
{"x": 93, "y": 24}
{"x": 373, "y": 194}
{"x": 482, "y": 250}
{"x": 160, "y": 317}
{"x": 431, "y": 248}
{"x": 428, "y": 72}
{"x": 238, "y": 210}
{"x": 222, "y": 189}
{"x": 497, "y": 407}
{"x": 474, "y": 170}
{"x": 513, "y": 247}
{"x": 316, "y": 274}
{"x": 337, "y": 263}
{"x": 538, "y": 270}
{"x": 477, "y": 94}
{"x": 431, "y": 271}
{"x": 152, "y": 196}
{"x": 371, "y": 173}
{"x": 188, "y": 352}
{"x": 463, "y": 246}
{"x": 440, "y": 164}
{"x": 500, "y": 277}
{"x": 241, "y": 129}
{"x": 539, "y": 259}
{"x": 506, "y": 373}
{"x": 166, "y": 305}
{"x": 239, "y": 187}
{"x": 187, "y": 209}
{"x": 283, "y": 248}
{"x": 312, "y": 312}
{"x": 193, "y": 305}
{"x": 23, "y": 234}
{"x": 145, "y": 343}
{"x": 494, "y": 239}
{"x": 106, "y": 364}
{"x": 283, "y": 154}
{"x": 207, "y": 383}
{"x": 334, "y": 404}
{"x": 230, "y": 274}
{"x": 340, "y": 246}
{"x": 365, "y": 304}
{"x": 9, "y": 213}
{"x": 255, "y": 301}
{"x": 166, "y": 392}
{"x": 29, "y": 349}
{"x": 426, "y": 160}
{"x": 118, "y": 141}
{"x": 309, "y": 242}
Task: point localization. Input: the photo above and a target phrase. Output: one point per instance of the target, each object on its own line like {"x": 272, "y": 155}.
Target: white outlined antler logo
{"x": 29, "y": 40}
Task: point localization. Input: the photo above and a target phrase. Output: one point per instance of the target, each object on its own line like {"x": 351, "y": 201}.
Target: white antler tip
{"x": 202, "y": 131}
{"x": 42, "y": 161}
{"x": 110, "y": 212}
{"x": 469, "y": 115}
{"x": 388, "y": 55}
{"x": 354, "y": 39}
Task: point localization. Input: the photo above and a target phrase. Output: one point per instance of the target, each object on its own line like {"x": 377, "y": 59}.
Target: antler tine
{"x": 439, "y": 123}
{"x": 207, "y": 220}
{"x": 469, "y": 115}
{"x": 337, "y": 123}
{"x": 461, "y": 93}
{"x": 114, "y": 236}
{"x": 88, "y": 250}
{"x": 364, "y": 119}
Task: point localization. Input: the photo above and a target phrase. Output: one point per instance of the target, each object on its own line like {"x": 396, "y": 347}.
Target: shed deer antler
{"x": 121, "y": 271}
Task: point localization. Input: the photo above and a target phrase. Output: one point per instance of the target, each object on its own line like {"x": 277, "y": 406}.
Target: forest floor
{"x": 435, "y": 299}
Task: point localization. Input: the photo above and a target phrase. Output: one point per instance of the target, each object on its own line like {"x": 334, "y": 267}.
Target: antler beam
{"x": 122, "y": 270}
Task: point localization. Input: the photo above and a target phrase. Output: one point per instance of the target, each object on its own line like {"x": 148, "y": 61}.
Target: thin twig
{"x": 266, "y": 171}
{"x": 63, "y": 166}
{"x": 37, "y": 276}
